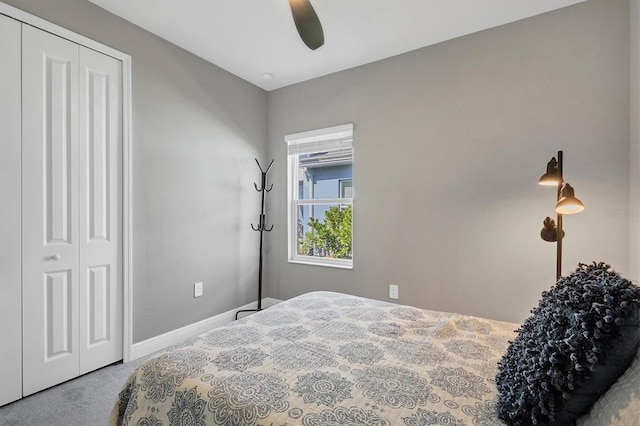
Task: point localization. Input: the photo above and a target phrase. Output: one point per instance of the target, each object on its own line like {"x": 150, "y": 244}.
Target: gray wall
{"x": 634, "y": 141}
{"x": 452, "y": 137}
{"x": 196, "y": 131}
{"x": 449, "y": 142}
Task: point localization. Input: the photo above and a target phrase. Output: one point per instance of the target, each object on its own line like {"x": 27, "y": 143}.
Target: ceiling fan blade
{"x": 307, "y": 23}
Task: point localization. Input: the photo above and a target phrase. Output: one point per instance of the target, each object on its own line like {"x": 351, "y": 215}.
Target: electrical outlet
{"x": 197, "y": 290}
{"x": 393, "y": 291}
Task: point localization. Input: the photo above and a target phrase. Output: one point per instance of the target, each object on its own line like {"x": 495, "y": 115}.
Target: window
{"x": 346, "y": 188}
{"x": 320, "y": 175}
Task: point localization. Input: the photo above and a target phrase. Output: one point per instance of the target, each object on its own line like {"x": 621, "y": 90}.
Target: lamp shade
{"x": 568, "y": 203}
{"x": 552, "y": 176}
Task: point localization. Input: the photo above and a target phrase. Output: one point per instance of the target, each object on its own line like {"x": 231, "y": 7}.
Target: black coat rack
{"x": 262, "y": 228}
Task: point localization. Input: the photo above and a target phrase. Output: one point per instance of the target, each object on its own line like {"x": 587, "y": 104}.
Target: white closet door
{"x": 100, "y": 171}
{"x": 10, "y": 256}
{"x": 49, "y": 205}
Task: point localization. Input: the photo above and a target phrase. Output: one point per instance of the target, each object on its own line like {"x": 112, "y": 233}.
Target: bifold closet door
{"x": 50, "y": 245}
{"x": 10, "y": 253}
{"x": 71, "y": 204}
{"x": 100, "y": 215}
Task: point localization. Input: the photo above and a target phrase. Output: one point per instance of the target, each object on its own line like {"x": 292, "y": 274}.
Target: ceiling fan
{"x": 307, "y": 23}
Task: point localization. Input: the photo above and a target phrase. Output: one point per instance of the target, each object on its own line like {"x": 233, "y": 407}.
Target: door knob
{"x": 55, "y": 257}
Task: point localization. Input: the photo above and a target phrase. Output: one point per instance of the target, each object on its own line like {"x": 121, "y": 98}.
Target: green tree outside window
{"x": 333, "y": 236}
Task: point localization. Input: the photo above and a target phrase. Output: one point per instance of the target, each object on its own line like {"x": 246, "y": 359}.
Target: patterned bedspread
{"x": 325, "y": 359}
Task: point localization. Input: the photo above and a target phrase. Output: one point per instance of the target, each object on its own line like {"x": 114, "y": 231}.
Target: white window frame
{"x": 330, "y": 138}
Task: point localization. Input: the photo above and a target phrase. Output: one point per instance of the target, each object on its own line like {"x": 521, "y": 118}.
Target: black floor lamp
{"x": 566, "y": 203}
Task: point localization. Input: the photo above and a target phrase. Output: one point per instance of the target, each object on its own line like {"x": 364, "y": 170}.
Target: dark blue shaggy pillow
{"x": 579, "y": 340}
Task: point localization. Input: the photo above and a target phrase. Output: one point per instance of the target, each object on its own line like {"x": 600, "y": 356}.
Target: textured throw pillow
{"x": 581, "y": 337}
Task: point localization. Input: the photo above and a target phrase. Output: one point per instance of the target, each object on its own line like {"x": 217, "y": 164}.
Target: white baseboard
{"x": 167, "y": 339}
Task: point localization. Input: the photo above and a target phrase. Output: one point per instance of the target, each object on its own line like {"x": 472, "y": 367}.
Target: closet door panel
{"x": 10, "y": 220}
{"x": 100, "y": 154}
{"x": 49, "y": 203}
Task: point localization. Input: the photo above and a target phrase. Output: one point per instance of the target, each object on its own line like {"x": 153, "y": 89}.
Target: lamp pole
{"x": 559, "y": 221}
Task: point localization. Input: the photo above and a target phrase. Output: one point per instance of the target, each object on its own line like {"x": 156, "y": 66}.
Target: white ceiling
{"x": 252, "y": 37}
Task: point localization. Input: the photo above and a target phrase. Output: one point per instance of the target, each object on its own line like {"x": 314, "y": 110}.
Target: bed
{"x": 326, "y": 359}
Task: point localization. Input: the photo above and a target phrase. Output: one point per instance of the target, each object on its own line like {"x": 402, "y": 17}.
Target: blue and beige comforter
{"x": 325, "y": 359}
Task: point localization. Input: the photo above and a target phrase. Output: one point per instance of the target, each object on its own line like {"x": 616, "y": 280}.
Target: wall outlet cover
{"x": 198, "y": 289}
{"x": 393, "y": 291}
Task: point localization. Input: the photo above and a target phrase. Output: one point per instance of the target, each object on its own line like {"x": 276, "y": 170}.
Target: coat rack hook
{"x": 260, "y": 167}
{"x": 264, "y": 177}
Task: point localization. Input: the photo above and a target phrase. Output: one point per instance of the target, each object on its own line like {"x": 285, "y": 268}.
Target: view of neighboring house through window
{"x": 321, "y": 196}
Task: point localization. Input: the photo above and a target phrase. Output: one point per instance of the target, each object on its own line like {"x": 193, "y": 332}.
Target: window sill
{"x": 319, "y": 261}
